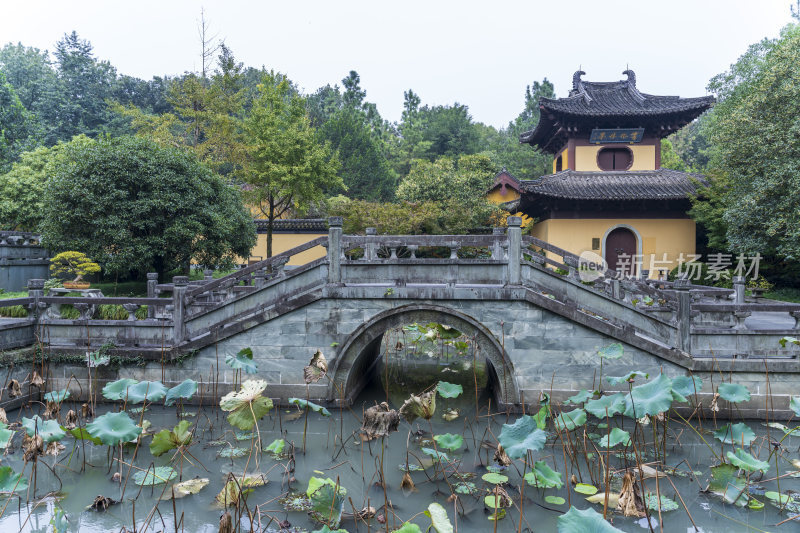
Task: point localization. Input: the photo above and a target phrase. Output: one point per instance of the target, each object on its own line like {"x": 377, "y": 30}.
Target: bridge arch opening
{"x": 358, "y": 358}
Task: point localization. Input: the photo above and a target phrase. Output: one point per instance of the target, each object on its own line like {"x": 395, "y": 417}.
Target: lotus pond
{"x": 422, "y": 449}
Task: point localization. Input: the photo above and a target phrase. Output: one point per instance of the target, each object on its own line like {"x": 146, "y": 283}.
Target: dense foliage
{"x": 135, "y": 206}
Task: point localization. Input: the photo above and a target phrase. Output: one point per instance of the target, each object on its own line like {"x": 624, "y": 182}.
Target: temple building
{"x": 608, "y": 192}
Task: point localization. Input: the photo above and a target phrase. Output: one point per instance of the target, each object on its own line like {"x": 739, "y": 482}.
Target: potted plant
{"x": 74, "y": 264}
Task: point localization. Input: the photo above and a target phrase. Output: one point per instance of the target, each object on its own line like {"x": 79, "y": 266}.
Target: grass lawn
{"x": 134, "y": 289}
{"x": 784, "y": 294}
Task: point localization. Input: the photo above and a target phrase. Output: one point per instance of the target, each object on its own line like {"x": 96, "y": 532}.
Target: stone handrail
{"x": 10, "y": 302}
{"x": 249, "y": 273}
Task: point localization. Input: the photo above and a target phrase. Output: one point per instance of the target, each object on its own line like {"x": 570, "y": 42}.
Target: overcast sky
{"x": 481, "y": 54}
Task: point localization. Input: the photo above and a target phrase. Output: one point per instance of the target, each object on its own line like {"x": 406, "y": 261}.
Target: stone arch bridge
{"x": 538, "y": 325}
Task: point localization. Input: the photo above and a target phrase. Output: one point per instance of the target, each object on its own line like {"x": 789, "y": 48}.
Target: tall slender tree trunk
{"x": 271, "y": 219}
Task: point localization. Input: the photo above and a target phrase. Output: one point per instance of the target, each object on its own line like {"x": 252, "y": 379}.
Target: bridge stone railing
{"x": 183, "y": 314}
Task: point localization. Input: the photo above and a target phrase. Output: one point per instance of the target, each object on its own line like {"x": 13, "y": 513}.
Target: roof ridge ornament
{"x": 631, "y": 84}
{"x": 577, "y": 87}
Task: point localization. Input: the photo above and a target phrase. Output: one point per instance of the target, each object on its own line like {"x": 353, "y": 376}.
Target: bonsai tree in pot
{"x": 74, "y": 264}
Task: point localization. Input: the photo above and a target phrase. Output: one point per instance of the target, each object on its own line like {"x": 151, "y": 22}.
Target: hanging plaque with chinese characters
{"x": 629, "y": 135}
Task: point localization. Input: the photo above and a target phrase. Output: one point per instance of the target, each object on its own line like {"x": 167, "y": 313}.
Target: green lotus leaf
{"x": 687, "y": 385}
{"x": 235, "y": 488}
{"x": 585, "y": 521}
{"x": 726, "y": 484}
{"x": 11, "y": 481}
{"x": 544, "y": 477}
{"x": 59, "y": 520}
{"x": 792, "y": 340}
{"x": 118, "y": 390}
{"x": 746, "y": 461}
{"x": 152, "y": 391}
{"x": 276, "y": 447}
{"x": 113, "y": 428}
{"x": 185, "y": 488}
{"x": 5, "y": 436}
{"x": 615, "y": 437}
{"x": 184, "y": 391}
{"x": 570, "y": 421}
{"x": 449, "y": 390}
{"x": 733, "y": 392}
{"x": 95, "y": 359}
{"x": 650, "y": 399}
{"x": 449, "y": 441}
{"x": 494, "y": 501}
{"x": 327, "y": 500}
{"x": 82, "y": 434}
{"x": 606, "y": 405}
{"x": 541, "y": 417}
{"x": 57, "y": 396}
{"x": 585, "y": 488}
{"x": 155, "y": 476}
{"x": 652, "y": 502}
{"x": 783, "y": 501}
{"x": 301, "y": 403}
{"x": 437, "y": 455}
{"x": 630, "y": 376}
{"x": 581, "y": 397}
{"x": 521, "y": 436}
{"x": 755, "y": 504}
{"x": 408, "y": 527}
{"x": 555, "y": 500}
{"x": 246, "y": 406}
{"x": 794, "y": 405}
{"x": 612, "y": 351}
{"x": 243, "y": 360}
{"x": 739, "y": 434}
{"x": 439, "y": 520}
{"x": 166, "y": 440}
{"x": 232, "y": 453}
{"x": 494, "y": 478}
{"x": 49, "y": 430}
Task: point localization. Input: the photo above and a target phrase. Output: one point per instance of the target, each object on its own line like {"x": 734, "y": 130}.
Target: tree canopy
{"x": 134, "y": 206}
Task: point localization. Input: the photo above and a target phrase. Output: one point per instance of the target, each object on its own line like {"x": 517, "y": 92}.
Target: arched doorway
{"x": 356, "y": 358}
{"x": 620, "y": 251}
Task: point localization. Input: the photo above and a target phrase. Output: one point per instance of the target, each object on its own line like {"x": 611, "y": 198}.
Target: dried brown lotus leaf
{"x": 36, "y": 380}
{"x": 379, "y": 421}
{"x": 422, "y": 406}
{"x": 54, "y": 448}
{"x": 407, "y": 483}
{"x": 86, "y": 411}
{"x": 51, "y": 410}
{"x": 3, "y": 416}
{"x": 101, "y": 503}
{"x": 501, "y": 457}
{"x": 14, "y": 389}
{"x": 630, "y": 503}
{"x": 71, "y": 420}
{"x": 316, "y": 369}
{"x": 32, "y": 447}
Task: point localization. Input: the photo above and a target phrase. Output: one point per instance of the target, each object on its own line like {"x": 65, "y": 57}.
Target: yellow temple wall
{"x": 495, "y": 196}
{"x": 658, "y": 236}
{"x": 286, "y": 241}
{"x": 644, "y": 157}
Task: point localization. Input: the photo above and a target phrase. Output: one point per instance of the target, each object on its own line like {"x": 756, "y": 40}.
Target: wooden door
{"x": 620, "y": 252}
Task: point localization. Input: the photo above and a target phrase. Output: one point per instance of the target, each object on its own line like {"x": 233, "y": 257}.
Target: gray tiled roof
{"x": 612, "y": 104}
{"x": 662, "y": 184}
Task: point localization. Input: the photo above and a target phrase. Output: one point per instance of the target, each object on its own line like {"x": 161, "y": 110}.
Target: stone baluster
{"x": 393, "y": 246}
{"x": 335, "y": 250}
{"x": 279, "y": 267}
{"x": 616, "y": 290}
{"x": 181, "y": 283}
{"x": 514, "y": 249}
{"x": 260, "y": 277}
{"x": 208, "y": 275}
{"x": 572, "y": 265}
{"x": 497, "y": 248}
{"x": 738, "y": 288}
{"x": 739, "y": 318}
{"x": 36, "y": 291}
{"x": 369, "y": 248}
{"x": 684, "y": 314}
{"x": 454, "y": 246}
{"x": 796, "y": 316}
{"x": 152, "y": 292}
{"x": 131, "y": 309}
{"x": 412, "y": 249}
